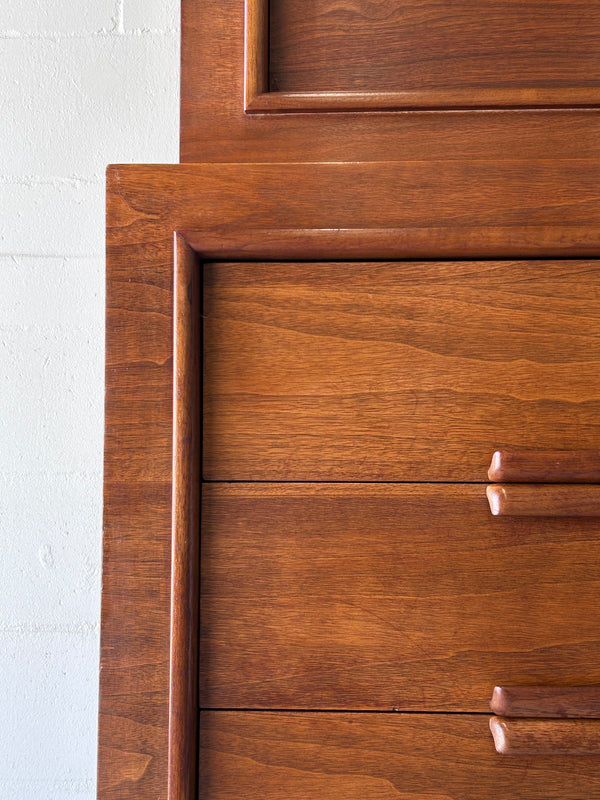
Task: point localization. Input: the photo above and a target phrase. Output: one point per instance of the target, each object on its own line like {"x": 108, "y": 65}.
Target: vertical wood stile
{"x": 256, "y": 50}
{"x": 185, "y": 535}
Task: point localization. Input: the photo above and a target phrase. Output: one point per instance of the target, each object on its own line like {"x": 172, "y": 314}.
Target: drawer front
{"x": 396, "y": 371}
{"x": 389, "y": 596}
{"x": 287, "y": 756}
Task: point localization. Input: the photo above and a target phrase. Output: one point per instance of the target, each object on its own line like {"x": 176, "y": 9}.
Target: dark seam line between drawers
{"x": 416, "y": 260}
{"x": 343, "y": 711}
{"x": 366, "y": 483}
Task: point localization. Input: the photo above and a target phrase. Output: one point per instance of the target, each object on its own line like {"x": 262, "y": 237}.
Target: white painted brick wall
{"x": 84, "y": 83}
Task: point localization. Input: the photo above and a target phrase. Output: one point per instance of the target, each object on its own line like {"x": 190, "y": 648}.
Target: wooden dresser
{"x": 375, "y": 268}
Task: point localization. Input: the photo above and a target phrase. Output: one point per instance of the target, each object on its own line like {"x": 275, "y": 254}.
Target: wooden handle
{"x": 557, "y": 737}
{"x": 546, "y": 701}
{"x": 568, "y": 466}
{"x": 522, "y": 500}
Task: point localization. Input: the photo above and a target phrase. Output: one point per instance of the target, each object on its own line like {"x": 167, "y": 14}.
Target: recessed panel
{"x": 391, "y": 46}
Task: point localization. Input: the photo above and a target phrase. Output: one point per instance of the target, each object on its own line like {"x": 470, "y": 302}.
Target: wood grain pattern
{"x": 421, "y": 100}
{"x": 492, "y": 208}
{"x": 269, "y": 756}
{"x": 136, "y": 581}
{"x": 215, "y": 127}
{"x": 381, "y": 597}
{"x": 335, "y": 59}
{"x": 134, "y": 656}
{"x": 397, "y": 371}
{"x": 185, "y": 562}
{"x": 487, "y": 209}
{"x": 546, "y": 701}
{"x": 256, "y": 49}
{"x": 385, "y": 46}
{"x": 562, "y": 466}
{"x": 526, "y": 737}
{"x": 544, "y": 500}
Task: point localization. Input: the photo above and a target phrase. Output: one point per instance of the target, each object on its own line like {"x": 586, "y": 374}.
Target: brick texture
{"x": 84, "y": 84}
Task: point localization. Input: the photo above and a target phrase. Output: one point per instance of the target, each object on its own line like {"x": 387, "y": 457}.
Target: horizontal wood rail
{"x": 524, "y": 500}
{"x": 546, "y": 701}
{"x": 569, "y": 466}
{"x": 423, "y": 100}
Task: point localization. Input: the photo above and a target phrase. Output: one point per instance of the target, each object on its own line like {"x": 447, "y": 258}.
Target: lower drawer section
{"x": 381, "y": 597}
{"x": 371, "y": 756}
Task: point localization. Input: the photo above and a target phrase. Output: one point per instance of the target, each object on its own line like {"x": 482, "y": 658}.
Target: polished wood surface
{"x": 148, "y": 678}
{"x": 136, "y": 586}
{"x": 419, "y": 100}
{"x": 550, "y": 737}
{"x": 391, "y": 211}
{"x": 388, "y": 596}
{"x": 270, "y": 756}
{"x": 493, "y": 209}
{"x": 333, "y": 126}
{"x": 183, "y": 695}
{"x": 546, "y": 701}
{"x": 549, "y": 500}
{"x": 373, "y": 46}
{"x": 256, "y": 49}
{"x": 395, "y": 185}
{"x": 398, "y": 371}
{"x": 337, "y": 58}
{"x": 561, "y": 466}
{"x": 134, "y": 657}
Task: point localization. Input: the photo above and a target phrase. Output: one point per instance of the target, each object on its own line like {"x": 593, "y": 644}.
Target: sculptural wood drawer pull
{"x": 568, "y": 466}
{"x": 546, "y": 701}
{"x": 546, "y": 736}
{"x": 537, "y": 500}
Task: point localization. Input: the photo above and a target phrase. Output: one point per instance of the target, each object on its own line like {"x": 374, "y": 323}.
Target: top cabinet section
{"x": 372, "y": 80}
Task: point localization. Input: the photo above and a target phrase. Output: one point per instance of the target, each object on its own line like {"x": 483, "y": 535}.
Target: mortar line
{"x": 120, "y": 17}
{"x": 101, "y": 34}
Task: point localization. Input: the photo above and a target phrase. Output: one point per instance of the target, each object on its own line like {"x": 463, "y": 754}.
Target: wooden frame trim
{"x": 256, "y": 51}
{"x": 258, "y": 99}
{"x": 431, "y": 100}
{"x": 353, "y": 244}
{"x": 186, "y": 515}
